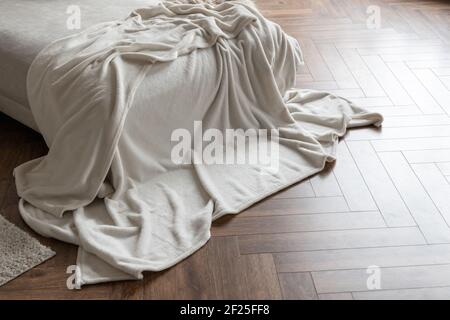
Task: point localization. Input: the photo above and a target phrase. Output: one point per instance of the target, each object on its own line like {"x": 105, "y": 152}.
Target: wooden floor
{"x": 385, "y": 202}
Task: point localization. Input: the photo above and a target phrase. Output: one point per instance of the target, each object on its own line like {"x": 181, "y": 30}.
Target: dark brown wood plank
{"x": 298, "y": 286}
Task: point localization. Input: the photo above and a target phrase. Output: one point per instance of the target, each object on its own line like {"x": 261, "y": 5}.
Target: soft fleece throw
{"x": 107, "y": 101}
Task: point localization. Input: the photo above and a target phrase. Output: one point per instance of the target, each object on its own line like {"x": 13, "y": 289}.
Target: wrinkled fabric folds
{"x": 107, "y": 101}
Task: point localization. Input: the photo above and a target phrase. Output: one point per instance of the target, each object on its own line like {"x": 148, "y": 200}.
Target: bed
{"x": 27, "y": 26}
{"x": 117, "y": 102}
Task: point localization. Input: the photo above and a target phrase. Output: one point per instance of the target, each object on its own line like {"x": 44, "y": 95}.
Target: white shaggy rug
{"x": 19, "y": 252}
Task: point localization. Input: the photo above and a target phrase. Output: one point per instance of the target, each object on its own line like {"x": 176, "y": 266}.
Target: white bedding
{"x": 21, "y": 39}
{"x": 107, "y": 102}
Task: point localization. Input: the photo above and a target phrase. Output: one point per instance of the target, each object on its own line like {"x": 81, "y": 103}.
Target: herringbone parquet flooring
{"x": 384, "y": 205}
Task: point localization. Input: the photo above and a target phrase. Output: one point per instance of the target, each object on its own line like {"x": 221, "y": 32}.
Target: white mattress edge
{"x": 18, "y": 112}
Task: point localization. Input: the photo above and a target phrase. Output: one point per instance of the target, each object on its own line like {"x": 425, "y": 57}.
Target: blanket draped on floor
{"x": 107, "y": 102}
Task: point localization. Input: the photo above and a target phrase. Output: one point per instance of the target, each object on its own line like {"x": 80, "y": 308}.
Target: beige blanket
{"x": 111, "y": 102}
